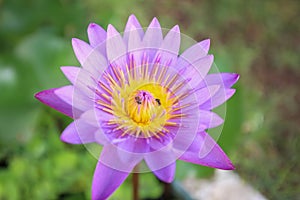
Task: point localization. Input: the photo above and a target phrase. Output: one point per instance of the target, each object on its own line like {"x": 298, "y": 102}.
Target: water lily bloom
{"x": 141, "y": 99}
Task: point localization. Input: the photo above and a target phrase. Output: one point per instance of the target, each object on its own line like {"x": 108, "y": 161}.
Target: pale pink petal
{"x": 79, "y": 132}
{"x": 197, "y": 71}
{"x": 71, "y": 73}
{"x": 219, "y": 98}
{"x": 81, "y": 49}
{"x": 193, "y": 53}
{"x": 97, "y": 37}
{"x": 86, "y": 83}
{"x": 135, "y": 49}
{"x": 153, "y": 38}
{"x": 120, "y": 159}
{"x": 160, "y": 159}
{"x": 168, "y": 51}
{"x": 115, "y": 47}
{"x": 74, "y": 97}
{"x": 95, "y": 64}
{"x": 206, "y": 93}
{"x": 209, "y": 119}
{"x": 133, "y": 24}
{"x": 223, "y": 79}
{"x": 134, "y": 145}
{"x": 205, "y": 44}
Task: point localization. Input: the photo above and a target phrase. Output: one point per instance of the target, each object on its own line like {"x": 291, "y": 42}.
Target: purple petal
{"x": 81, "y": 49}
{"x": 90, "y": 59}
{"x": 71, "y": 73}
{"x": 103, "y": 116}
{"x": 74, "y": 97}
{"x": 115, "y": 47}
{"x": 119, "y": 159}
{"x": 159, "y": 143}
{"x": 160, "y": 159}
{"x": 49, "y": 98}
{"x": 134, "y": 145}
{"x": 92, "y": 118}
{"x": 205, "y": 44}
{"x": 168, "y": 51}
{"x": 97, "y": 37}
{"x": 132, "y": 24}
{"x": 79, "y": 132}
{"x": 192, "y": 54}
{"x": 167, "y": 173}
{"x": 106, "y": 180}
{"x": 206, "y": 93}
{"x": 219, "y": 98}
{"x": 86, "y": 83}
{"x": 101, "y": 138}
{"x": 95, "y": 64}
{"x": 198, "y": 70}
{"x": 153, "y": 38}
{"x": 205, "y": 151}
{"x": 134, "y": 46}
{"x": 209, "y": 119}
{"x": 223, "y": 79}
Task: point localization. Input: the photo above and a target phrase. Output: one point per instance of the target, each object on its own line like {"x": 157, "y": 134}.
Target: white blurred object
{"x": 7, "y": 75}
{"x": 224, "y": 185}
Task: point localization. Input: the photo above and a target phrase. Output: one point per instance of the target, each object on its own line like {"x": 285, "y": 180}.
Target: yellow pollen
{"x": 143, "y": 107}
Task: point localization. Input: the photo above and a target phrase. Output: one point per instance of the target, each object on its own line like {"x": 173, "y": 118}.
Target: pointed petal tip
{"x": 63, "y": 138}
{"x": 205, "y": 44}
{"x": 176, "y": 28}
{"x": 232, "y": 167}
{"x": 65, "y": 69}
{"x": 132, "y": 17}
{"x": 38, "y": 95}
{"x": 237, "y": 76}
{"x": 69, "y": 140}
{"x": 154, "y": 23}
{"x": 231, "y": 92}
{"x": 232, "y": 76}
{"x": 169, "y": 179}
{"x": 66, "y": 137}
{"x": 111, "y": 31}
{"x": 166, "y": 174}
{"x": 92, "y": 25}
{"x": 111, "y": 28}
{"x": 43, "y": 95}
{"x": 75, "y": 41}
{"x": 229, "y": 165}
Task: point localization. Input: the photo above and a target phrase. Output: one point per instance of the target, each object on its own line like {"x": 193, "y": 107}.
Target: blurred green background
{"x": 258, "y": 39}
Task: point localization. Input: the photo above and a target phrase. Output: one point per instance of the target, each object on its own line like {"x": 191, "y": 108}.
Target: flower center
{"x": 147, "y": 103}
{"x": 142, "y": 107}
{"x": 140, "y": 100}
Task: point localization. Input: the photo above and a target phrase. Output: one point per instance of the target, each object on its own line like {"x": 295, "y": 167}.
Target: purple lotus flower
{"x": 141, "y": 100}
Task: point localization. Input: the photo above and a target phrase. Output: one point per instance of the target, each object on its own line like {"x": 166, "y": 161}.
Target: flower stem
{"x": 135, "y": 184}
